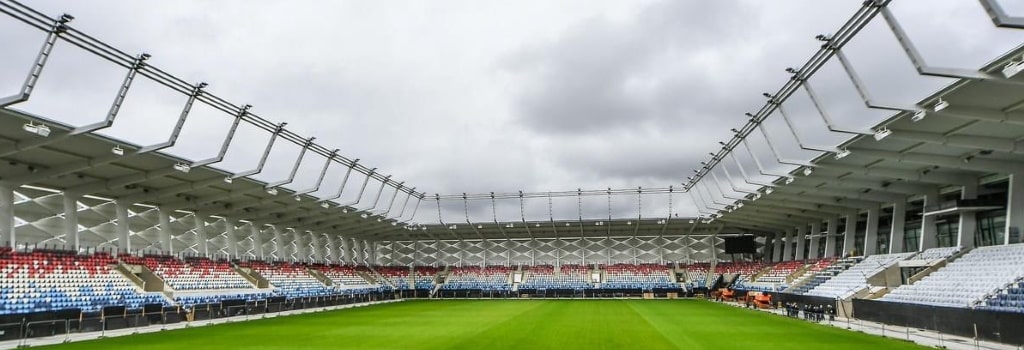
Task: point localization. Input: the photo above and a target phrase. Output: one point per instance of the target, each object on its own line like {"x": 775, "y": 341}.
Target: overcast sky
{"x": 480, "y": 96}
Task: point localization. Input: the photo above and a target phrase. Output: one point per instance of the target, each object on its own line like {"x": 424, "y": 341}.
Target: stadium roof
{"x": 970, "y": 130}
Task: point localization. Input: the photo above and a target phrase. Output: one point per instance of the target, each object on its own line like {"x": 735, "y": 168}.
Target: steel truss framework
{"x": 65, "y": 185}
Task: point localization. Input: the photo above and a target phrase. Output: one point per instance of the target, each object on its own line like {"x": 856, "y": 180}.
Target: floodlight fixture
{"x": 478, "y": 226}
{"x": 769, "y": 190}
{"x": 272, "y": 191}
{"x": 790, "y": 180}
{"x": 344, "y": 210}
{"x": 767, "y": 95}
{"x": 792, "y": 70}
{"x": 202, "y": 85}
{"x": 823, "y": 37}
{"x": 364, "y": 215}
{"x": 394, "y": 223}
{"x": 942, "y": 104}
{"x": 808, "y": 171}
{"x": 117, "y": 150}
{"x": 38, "y": 129}
{"x": 629, "y": 223}
{"x": 748, "y": 114}
{"x": 1011, "y": 69}
{"x": 65, "y": 18}
{"x": 325, "y": 205}
{"x": 182, "y": 167}
{"x": 843, "y": 153}
{"x": 298, "y": 199}
{"x": 739, "y": 204}
{"x": 144, "y": 56}
{"x": 691, "y": 221}
{"x": 380, "y": 219}
{"x": 918, "y": 116}
{"x": 567, "y": 224}
{"x": 229, "y": 179}
{"x": 882, "y": 133}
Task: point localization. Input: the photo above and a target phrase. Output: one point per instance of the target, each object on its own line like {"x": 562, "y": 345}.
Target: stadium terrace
{"x": 907, "y": 229}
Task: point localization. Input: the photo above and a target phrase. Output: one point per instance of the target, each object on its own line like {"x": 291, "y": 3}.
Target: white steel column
{"x": 898, "y": 227}
{"x": 831, "y": 232}
{"x": 801, "y": 241}
{"x": 815, "y": 243}
{"x": 968, "y": 221}
{"x": 871, "y": 232}
{"x": 124, "y": 244}
{"x": 71, "y": 220}
{"x": 7, "y": 234}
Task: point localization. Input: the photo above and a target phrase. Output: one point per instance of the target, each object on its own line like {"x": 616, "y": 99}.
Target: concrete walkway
{"x": 75, "y": 337}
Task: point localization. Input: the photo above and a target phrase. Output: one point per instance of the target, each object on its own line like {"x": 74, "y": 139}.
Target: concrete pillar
{"x": 928, "y": 239}
{"x": 1014, "y": 209}
{"x": 256, "y": 234}
{"x": 7, "y": 234}
{"x": 166, "y": 245}
{"x": 339, "y": 252}
{"x": 968, "y": 224}
{"x": 801, "y": 241}
{"x": 766, "y": 251}
{"x": 371, "y": 252}
{"x": 777, "y": 247}
{"x": 124, "y": 243}
{"x": 787, "y": 252}
{"x": 815, "y": 243}
{"x": 230, "y": 240}
{"x": 346, "y": 251}
{"x": 832, "y": 232}
{"x": 319, "y": 246}
{"x": 898, "y": 227}
{"x": 851, "y": 232}
{"x": 300, "y": 252}
{"x": 71, "y": 221}
{"x": 360, "y": 253}
{"x": 871, "y": 232}
{"x": 279, "y": 247}
{"x": 202, "y": 235}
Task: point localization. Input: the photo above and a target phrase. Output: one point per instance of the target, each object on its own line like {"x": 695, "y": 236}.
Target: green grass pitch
{"x": 513, "y": 324}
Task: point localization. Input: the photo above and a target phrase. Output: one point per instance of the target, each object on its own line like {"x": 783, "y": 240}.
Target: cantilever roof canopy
{"x": 66, "y": 164}
{"x": 976, "y": 136}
